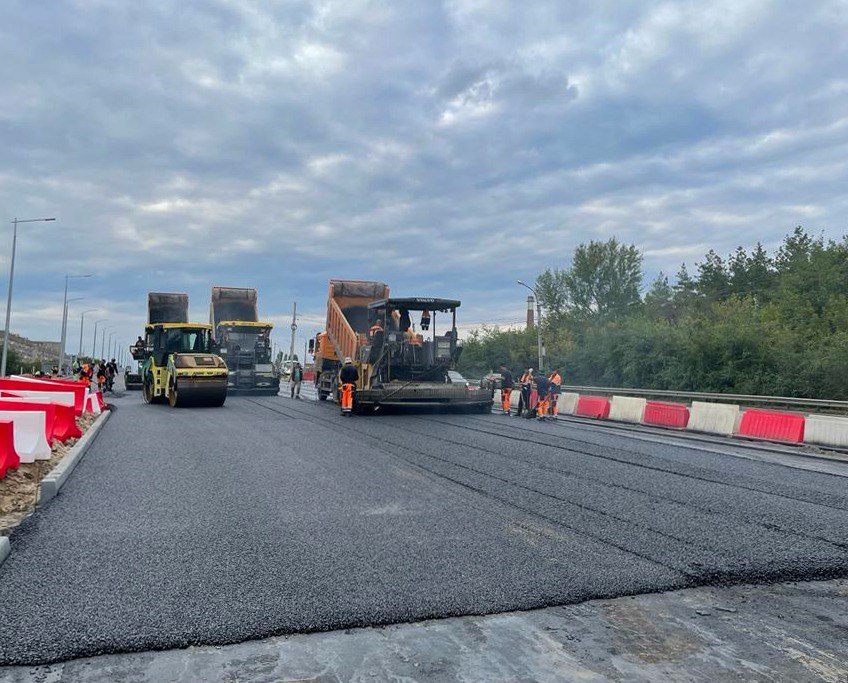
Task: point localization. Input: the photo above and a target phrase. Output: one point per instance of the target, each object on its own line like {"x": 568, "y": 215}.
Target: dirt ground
{"x": 19, "y": 488}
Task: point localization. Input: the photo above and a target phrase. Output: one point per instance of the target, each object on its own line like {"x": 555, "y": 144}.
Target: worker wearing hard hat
{"x": 348, "y": 376}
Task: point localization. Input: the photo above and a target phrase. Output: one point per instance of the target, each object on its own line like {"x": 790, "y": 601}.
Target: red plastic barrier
{"x": 593, "y": 406}
{"x": 29, "y": 385}
{"x": 8, "y": 455}
{"x": 100, "y": 400}
{"x": 675, "y": 415}
{"x": 772, "y": 425}
{"x": 65, "y": 425}
{"x": 309, "y": 376}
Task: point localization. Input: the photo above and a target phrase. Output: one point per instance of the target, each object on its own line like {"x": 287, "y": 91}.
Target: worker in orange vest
{"x": 556, "y": 387}
{"x": 542, "y": 391}
{"x": 348, "y": 376}
{"x": 507, "y": 385}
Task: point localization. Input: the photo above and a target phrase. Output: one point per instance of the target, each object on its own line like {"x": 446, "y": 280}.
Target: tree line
{"x": 753, "y": 322}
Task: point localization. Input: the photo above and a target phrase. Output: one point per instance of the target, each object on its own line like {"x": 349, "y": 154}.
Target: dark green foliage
{"x": 750, "y": 323}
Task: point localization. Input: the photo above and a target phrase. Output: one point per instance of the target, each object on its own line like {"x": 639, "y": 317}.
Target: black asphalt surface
{"x": 273, "y": 516}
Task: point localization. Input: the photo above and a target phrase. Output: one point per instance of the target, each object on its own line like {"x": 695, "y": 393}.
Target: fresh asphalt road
{"x": 273, "y": 516}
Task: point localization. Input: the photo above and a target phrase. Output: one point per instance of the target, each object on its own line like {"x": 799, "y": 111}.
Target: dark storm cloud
{"x": 444, "y": 147}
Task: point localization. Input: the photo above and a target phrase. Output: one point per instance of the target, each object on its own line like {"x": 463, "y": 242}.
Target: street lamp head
{"x": 521, "y": 282}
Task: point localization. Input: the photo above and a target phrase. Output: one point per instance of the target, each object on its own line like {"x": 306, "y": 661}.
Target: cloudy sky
{"x": 447, "y": 148}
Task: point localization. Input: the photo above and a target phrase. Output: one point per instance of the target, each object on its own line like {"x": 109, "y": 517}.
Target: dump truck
{"x": 397, "y": 365}
{"x": 243, "y": 341}
{"x": 179, "y": 365}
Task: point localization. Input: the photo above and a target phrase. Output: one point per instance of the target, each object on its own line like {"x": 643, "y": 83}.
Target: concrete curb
{"x": 5, "y": 548}
{"x": 50, "y": 485}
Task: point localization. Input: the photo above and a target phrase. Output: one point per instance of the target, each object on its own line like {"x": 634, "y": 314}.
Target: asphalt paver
{"x": 271, "y": 516}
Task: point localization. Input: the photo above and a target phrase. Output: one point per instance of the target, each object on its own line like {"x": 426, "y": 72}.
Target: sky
{"x": 446, "y": 148}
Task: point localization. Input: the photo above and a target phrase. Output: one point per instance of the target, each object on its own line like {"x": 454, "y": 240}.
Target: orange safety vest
{"x": 555, "y": 378}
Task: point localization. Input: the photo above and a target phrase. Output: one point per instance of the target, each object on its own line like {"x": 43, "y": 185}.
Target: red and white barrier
{"x": 65, "y": 421}
{"x": 78, "y": 389}
{"x": 627, "y": 409}
{"x": 30, "y": 442}
{"x": 92, "y": 405}
{"x": 772, "y": 425}
{"x": 9, "y": 459}
{"x": 593, "y": 406}
{"x": 20, "y": 404}
{"x": 663, "y": 414}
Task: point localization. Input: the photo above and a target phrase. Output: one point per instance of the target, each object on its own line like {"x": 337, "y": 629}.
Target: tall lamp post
{"x": 103, "y": 343}
{"x": 541, "y": 347}
{"x": 14, "y": 222}
{"x": 94, "y": 343}
{"x": 65, "y": 331}
{"x": 65, "y": 319}
{"x": 82, "y": 327}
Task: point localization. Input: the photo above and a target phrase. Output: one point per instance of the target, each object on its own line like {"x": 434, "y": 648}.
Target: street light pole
{"x": 14, "y": 222}
{"x": 94, "y": 342}
{"x": 540, "y": 346}
{"x": 82, "y": 326}
{"x": 102, "y": 343}
{"x": 65, "y": 320}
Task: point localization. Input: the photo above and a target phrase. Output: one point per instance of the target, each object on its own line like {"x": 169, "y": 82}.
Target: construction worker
{"x": 506, "y": 388}
{"x": 526, "y": 385}
{"x": 543, "y": 391}
{"x": 348, "y": 376}
{"x": 556, "y": 387}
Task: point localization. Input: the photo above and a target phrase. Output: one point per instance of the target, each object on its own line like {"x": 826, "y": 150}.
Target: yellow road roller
{"x": 179, "y": 366}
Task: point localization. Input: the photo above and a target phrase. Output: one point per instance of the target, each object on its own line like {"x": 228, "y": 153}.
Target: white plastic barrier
{"x": 92, "y": 405}
{"x": 713, "y": 418}
{"x": 627, "y": 409}
{"x": 826, "y": 430}
{"x": 28, "y": 427}
{"x": 61, "y": 397}
{"x": 567, "y": 403}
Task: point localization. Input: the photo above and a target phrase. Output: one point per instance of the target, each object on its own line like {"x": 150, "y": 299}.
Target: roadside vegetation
{"x": 752, "y": 322}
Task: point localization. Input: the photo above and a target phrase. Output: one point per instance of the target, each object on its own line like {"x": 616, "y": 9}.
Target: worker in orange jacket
{"x": 542, "y": 391}
{"x": 348, "y": 376}
{"x": 507, "y": 384}
{"x": 556, "y": 387}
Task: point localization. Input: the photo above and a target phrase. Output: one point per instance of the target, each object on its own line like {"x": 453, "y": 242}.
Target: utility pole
{"x": 293, "y": 330}
{"x": 14, "y": 222}
{"x": 94, "y": 343}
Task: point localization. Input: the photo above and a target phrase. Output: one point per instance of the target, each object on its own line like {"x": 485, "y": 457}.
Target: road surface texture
{"x": 779, "y": 632}
{"x": 272, "y": 516}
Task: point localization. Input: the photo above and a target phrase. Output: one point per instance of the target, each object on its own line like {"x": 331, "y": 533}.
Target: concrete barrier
{"x": 713, "y": 418}
{"x": 627, "y": 409}
{"x": 30, "y": 442}
{"x": 826, "y": 430}
{"x": 567, "y": 403}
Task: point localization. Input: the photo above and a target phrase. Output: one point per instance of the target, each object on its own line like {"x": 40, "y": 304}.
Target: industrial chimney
{"x": 530, "y": 319}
